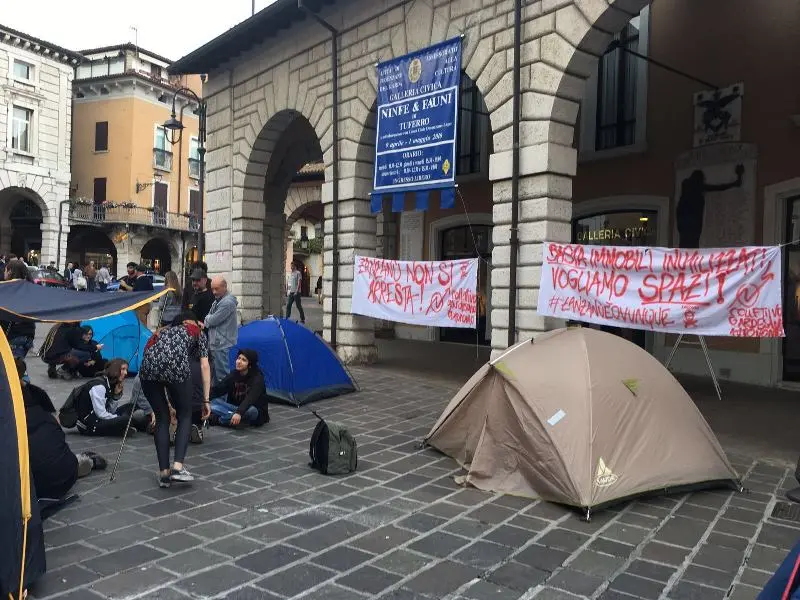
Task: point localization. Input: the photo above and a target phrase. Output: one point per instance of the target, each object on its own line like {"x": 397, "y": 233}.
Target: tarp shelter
{"x": 22, "y": 557}
{"x": 579, "y": 417}
{"x": 298, "y": 365}
{"x": 123, "y": 336}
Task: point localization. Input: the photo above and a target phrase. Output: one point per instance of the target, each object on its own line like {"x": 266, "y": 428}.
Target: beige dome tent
{"x": 579, "y": 417}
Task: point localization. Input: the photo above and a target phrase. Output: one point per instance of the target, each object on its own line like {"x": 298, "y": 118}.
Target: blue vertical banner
{"x": 415, "y": 147}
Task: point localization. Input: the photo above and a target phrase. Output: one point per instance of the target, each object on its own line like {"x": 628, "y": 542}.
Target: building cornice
{"x": 15, "y": 38}
{"x": 94, "y": 86}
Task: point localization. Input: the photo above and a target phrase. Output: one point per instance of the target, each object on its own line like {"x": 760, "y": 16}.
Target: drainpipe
{"x": 60, "y": 221}
{"x": 515, "y": 100}
{"x": 335, "y": 200}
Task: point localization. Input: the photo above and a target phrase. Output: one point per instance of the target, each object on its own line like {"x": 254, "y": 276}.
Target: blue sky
{"x": 82, "y": 24}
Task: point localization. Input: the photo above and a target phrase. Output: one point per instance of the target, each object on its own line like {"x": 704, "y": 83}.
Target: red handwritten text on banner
{"x": 721, "y": 291}
{"x": 435, "y": 293}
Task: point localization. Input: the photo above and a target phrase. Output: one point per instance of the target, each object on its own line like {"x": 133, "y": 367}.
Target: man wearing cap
{"x": 202, "y": 299}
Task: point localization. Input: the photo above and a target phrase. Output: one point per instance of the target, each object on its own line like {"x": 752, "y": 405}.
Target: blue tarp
{"x": 26, "y": 301}
{"x": 122, "y": 336}
{"x": 298, "y": 365}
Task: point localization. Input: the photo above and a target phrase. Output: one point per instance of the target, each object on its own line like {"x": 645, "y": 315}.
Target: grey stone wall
{"x": 256, "y": 101}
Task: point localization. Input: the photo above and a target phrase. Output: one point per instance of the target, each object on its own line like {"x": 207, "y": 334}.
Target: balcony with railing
{"x": 162, "y": 159}
{"x": 110, "y": 213}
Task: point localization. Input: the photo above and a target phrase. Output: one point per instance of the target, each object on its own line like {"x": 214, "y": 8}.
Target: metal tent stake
{"x": 708, "y": 361}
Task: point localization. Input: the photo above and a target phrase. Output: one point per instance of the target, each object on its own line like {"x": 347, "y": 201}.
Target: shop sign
{"x": 415, "y": 148}
{"x": 433, "y": 293}
{"x": 723, "y": 292}
{"x": 613, "y": 233}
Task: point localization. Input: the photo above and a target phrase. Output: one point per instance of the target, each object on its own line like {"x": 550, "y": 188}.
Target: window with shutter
{"x": 99, "y": 189}
{"x": 160, "y": 203}
{"x": 101, "y": 136}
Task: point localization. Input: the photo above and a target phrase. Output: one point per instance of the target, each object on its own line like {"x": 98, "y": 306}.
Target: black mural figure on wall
{"x": 692, "y": 204}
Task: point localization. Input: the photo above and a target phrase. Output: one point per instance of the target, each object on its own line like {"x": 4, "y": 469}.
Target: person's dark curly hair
{"x": 16, "y": 269}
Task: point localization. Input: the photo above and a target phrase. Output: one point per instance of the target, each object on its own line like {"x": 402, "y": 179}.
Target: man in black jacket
{"x": 245, "y": 391}
{"x": 54, "y": 466}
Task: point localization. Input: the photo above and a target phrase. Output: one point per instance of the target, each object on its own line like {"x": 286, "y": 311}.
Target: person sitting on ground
{"x": 56, "y": 347}
{"x": 246, "y": 393}
{"x": 54, "y": 467}
{"x": 83, "y": 356}
{"x": 84, "y": 346}
{"x": 98, "y": 404}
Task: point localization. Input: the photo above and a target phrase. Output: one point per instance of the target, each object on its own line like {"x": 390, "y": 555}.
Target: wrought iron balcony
{"x": 110, "y": 213}
{"x": 162, "y": 159}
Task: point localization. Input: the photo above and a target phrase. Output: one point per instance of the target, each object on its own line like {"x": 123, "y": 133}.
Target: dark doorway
{"x": 26, "y": 224}
{"x": 156, "y": 256}
{"x": 469, "y": 242}
{"x": 791, "y": 287}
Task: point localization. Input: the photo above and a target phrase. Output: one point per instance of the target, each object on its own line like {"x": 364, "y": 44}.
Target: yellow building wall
{"x": 115, "y": 164}
{"x": 131, "y": 138}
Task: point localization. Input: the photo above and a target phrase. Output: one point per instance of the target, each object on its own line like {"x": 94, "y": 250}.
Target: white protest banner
{"x": 433, "y": 293}
{"x": 720, "y": 291}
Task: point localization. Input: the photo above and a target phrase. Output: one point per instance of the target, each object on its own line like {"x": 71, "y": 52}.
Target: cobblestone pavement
{"x": 259, "y": 524}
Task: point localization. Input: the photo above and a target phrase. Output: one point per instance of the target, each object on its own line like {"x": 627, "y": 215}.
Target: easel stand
{"x": 708, "y": 361}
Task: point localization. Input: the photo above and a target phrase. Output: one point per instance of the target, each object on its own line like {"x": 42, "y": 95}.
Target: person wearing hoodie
{"x": 98, "y": 406}
{"x": 220, "y": 324}
{"x": 55, "y": 468}
{"x": 245, "y": 391}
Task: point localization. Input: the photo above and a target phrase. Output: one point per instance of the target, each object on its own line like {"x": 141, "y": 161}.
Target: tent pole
{"x": 289, "y": 356}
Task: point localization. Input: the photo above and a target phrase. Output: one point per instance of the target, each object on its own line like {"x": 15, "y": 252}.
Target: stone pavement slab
{"x": 259, "y": 524}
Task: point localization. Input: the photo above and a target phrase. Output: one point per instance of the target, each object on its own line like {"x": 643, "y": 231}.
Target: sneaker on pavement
{"x": 182, "y": 476}
{"x": 98, "y": 462}
{"x": 196, "y": 435}
{"x": 164, "y": 481}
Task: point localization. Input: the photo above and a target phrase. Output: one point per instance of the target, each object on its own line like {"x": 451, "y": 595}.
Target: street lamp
{"x": 173, "y": 129}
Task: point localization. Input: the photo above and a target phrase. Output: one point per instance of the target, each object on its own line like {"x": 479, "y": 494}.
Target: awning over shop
{"x": 26, "y": 301}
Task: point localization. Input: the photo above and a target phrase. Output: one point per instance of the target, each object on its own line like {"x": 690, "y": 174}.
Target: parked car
{"x": 48, "y": 278}
{"x": 158, "y": 283}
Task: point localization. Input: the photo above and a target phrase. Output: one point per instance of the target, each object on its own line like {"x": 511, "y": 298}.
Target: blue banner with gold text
{"x": 415, "y": 147}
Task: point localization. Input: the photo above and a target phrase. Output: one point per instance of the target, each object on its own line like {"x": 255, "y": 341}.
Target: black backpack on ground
{"x": 333, "y": 449}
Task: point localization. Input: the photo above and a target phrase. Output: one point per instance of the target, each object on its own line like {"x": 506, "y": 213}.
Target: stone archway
{"x": 157, "y": 254}
{"x": 23, "y": 214}
{"x": 287, "y": 142}
{"x": 86, "y": 244}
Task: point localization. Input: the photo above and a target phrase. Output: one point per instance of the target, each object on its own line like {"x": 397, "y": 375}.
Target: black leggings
{"x": 181, "y": 396}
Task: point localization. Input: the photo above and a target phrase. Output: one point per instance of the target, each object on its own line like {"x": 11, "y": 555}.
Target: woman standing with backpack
{"x": 166, "y": 370}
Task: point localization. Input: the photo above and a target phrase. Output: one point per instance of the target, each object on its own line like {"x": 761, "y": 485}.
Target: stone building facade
{"x": 35, "y": 140}
{"x": 270, "y": 99}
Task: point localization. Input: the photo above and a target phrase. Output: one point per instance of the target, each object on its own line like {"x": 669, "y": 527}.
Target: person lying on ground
{"x": 98, "y": 405}
{"x": 245, "y": 392}
{"x": 55, "y": 468}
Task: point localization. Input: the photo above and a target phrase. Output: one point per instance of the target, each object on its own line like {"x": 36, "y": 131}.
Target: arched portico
{"x": 26, "y": 225}
{"x": 270, "y": 112}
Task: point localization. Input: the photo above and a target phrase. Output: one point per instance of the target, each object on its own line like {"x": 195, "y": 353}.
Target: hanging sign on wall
{"x": 710, "y": 291}
{"x": 434, "y": 293}
{"x": 415, "y": 146}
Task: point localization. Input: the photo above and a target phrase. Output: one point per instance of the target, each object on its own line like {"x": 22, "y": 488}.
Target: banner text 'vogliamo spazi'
{"x": 718, "y": 291}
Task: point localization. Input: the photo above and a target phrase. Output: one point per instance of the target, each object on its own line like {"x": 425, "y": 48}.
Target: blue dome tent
{"x": 122, "y": 336}
{"x": 298, "y": 365}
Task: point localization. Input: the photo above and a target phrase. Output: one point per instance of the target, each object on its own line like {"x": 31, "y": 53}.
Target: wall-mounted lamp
{"x": 143, "y": 186}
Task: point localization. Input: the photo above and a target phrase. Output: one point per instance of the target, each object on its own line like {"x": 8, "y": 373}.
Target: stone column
{"x": 545, "y": 211}
{"x": 248, "y": 254}
{"x": 355, "y": 334}
{"x": 274, "y": 264}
